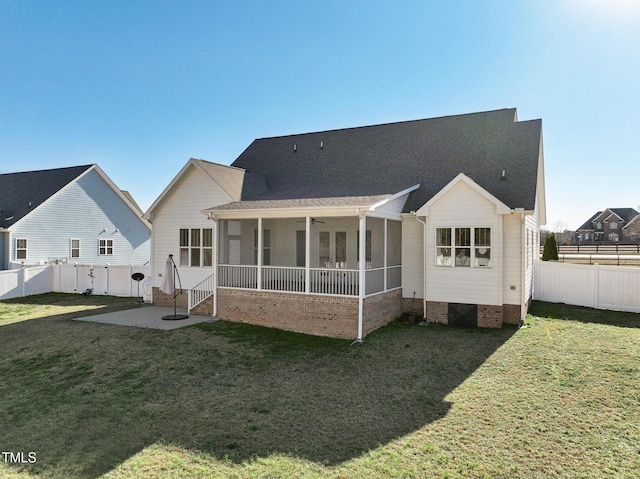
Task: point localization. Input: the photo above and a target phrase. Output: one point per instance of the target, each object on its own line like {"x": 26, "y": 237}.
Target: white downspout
{"x": 523, "y": 267}
{"x": 361, "y": 273}
{"x": 424, "y": 267}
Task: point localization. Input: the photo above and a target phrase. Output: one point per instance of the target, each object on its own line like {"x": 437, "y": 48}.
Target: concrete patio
{"x": 147, "y": 317}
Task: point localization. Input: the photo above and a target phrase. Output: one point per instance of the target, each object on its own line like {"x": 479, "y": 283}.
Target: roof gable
{"x": 501, "y": 208}
{"x": 21, "y": 193}
{"x": 385, "y": 159}
{"x": 230, "y": 179}
{"x": 624, "y": 214}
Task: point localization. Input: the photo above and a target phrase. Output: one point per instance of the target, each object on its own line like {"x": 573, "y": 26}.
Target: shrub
{"x": 550, "y": 251}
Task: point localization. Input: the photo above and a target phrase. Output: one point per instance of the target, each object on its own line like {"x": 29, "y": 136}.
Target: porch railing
{"x": 237, "y": 276}
{"x": 282, "y": 278}
{"x": 201, "y": 292}
{"x": 334, "y": 281}
{"x": 321, "y": 280}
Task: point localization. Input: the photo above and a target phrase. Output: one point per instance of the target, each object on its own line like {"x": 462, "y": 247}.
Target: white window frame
{"x": 192, "y": 247}
{"x": 20, "y": 248}
{"x": 72, "y": 248}
{"x": 613, "y": 225}
{"x": 105, "y": 247}
{"x": 449, "y": 248}
{"x": 267, "y": 240}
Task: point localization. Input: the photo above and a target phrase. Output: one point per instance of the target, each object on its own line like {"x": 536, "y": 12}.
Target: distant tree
{"x": 550, "y": 251}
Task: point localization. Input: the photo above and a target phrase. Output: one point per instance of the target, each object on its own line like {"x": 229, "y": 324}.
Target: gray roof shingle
{"x": 21, "y": 193}
{"x": 384, "y": 159}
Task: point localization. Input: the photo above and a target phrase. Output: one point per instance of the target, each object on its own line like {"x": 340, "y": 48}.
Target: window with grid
{"x": 463, "y": 247}
{"x": 266, "y": 247}
{"x": 105, "y": 247}
{"x": 21, "y": 248}
{"x": 74, "y": 248}
{"x": 196, "y": 247}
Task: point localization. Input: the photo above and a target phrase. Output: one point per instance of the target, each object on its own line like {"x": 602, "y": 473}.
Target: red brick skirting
{"x": 381, "y": 309}
{"x": 162, "y": 299}
{"x": 334, "y": 316}
{"x": 321, "y": 315}
{"x": 489, "y": 316}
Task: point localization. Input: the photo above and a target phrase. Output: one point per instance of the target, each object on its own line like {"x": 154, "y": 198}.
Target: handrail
{"x": 201, "y": 291}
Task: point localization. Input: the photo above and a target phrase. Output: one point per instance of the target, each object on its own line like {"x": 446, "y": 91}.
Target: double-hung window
{"x": 463, "y": 247}
{"x": 74, "y": 248}
{"x": 21, "y": 248}
{"x": 196, "y": 247}
{"x": 105, "y": 247}
{"x": 266, "y": 247}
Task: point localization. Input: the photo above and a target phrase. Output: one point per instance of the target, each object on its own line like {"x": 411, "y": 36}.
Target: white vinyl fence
{"x": 113, "y": 280}
{"x": 595, "y": 286}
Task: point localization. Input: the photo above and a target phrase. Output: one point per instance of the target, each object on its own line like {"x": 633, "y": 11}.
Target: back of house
{"x": 338, "y": 232}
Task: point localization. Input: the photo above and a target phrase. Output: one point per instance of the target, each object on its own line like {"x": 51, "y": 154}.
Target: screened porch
{"x": 312, "y": 255}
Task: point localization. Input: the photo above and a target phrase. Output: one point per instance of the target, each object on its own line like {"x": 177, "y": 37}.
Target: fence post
{"x": 597, "y": 286}
{"x": 24, "y": 282}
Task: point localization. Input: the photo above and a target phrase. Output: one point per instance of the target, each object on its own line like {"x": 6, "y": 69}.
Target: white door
{"x": 235, "y": 249}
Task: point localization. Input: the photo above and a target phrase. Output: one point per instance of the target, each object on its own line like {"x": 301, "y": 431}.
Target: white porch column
{"x": 386, "y": 251}
{"x": 307, "y": 255}
{"x": 362, "y": 268}
{"x": 214, "y": 235}
{"x": 259, "y": 255}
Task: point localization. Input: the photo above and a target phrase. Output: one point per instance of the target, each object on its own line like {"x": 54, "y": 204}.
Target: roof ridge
{"x": 44, "y": 170}
{"x": 396, "y": 123}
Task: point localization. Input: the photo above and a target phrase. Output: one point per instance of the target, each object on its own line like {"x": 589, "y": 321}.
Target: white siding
{"x": 89, "y": 210}
{"x": 464, "y": 207}
{"x": 412, "y": 257}
{"x": 182, "y": 208}
{"x": 532, "y": 249}
{"x": 512, "y": 259}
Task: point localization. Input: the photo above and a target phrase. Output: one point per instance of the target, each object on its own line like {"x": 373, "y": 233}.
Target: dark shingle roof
{"x": 627, "y": 214}
{"x": 21, "y": 193}
{"x": 588, "y": 225}
{"x": 385, "y": 159}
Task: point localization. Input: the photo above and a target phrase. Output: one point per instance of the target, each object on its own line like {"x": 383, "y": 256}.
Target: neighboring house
{"x": 611, "y": 225}
{"x": 336, "y": 232}
{"x": 74, "y": 215}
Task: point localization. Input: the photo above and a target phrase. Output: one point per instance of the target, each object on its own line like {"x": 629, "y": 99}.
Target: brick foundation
{"x": 414, "y": 306}
{"x": 334, "y": 316}
{"x": 511, "y": 313}
{"x": 381, "y": 309}
{"x": 489, "y": 316}
{"x": 166, "y": 300}
{"x": 438, "y": 312}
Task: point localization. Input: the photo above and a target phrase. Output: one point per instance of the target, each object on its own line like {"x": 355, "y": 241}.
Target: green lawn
{"x": 559, "y": 398}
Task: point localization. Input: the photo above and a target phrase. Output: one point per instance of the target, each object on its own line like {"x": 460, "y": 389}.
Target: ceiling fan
{"x": 313, "y": 221}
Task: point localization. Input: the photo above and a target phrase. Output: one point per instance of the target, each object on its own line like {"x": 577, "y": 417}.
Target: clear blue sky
{"x": 139, "y": 87}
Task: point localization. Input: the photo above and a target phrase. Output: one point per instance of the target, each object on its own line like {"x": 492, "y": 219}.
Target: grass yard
{"x": 559, "y": 398}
